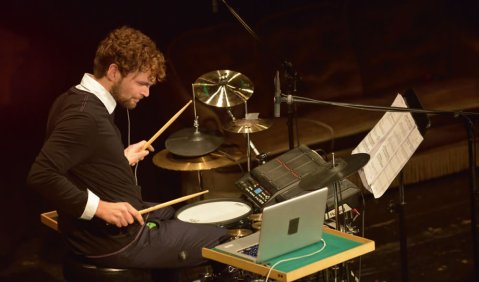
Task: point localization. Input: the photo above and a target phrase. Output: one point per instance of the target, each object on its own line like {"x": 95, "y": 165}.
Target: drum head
{"x": 214, "y": 211}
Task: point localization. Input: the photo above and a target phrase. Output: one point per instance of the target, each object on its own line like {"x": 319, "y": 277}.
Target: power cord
{"x": 295, "y": 258}
{"x": 129, "y": 143}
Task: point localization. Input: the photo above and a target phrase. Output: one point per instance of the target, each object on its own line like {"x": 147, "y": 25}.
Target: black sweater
{"x": 83, "y": 149}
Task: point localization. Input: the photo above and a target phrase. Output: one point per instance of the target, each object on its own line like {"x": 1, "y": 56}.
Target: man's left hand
{"x": 135, "y": 152}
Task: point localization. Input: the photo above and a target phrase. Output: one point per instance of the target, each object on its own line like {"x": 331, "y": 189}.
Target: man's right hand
{"x": 119, "y": 214}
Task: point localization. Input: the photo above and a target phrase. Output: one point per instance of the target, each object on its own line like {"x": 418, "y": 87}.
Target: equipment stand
{"x": 200, "y": 183}
{"x": 402, "y": 229}
{"x": 292, "y": 78}
{"x": 471, "y": 141}
{"x": 291, "y": 125}
{"x": 248, "y": 151}
{"x": 400, "y": 209}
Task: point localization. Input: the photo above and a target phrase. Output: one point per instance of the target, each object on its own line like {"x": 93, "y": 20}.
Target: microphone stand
{"x": 292, "y": 76}
{"x": 242, "y": 22}
{"x": 289, "y": 73}
{"x": 471, "y": 154}
{"x": 471, "y": 141}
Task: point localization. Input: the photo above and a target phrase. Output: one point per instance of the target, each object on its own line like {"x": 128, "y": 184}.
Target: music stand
{"x": 469, "y": 125}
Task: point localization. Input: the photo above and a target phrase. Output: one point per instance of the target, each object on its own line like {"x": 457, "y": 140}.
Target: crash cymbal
{"x": 223, "y": 156}
{"x": 223, "y": 88}
{"x": 327, "y": 174}
{"x": 248, "y": 125}
{"x": 190, "y": 142}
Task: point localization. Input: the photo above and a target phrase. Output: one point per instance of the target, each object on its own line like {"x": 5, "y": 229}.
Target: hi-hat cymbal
{"x": 223, "y": 156}
{"x": 223, "y": 88}
{"x": 248, "y": 125}
{"x": 327, "y": 174}
{"x": 190, "y": 142}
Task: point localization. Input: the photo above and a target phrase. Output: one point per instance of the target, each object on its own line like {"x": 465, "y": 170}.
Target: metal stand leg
{"x": 402, "y": 229}
{"x": 200, "y": 183}
{"x": 248, "y": 151}
{"x": 400, "y": 209}
{"x": 471, "y": 142}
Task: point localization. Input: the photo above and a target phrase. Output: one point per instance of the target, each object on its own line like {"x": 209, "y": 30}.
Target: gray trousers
{"x": 170, "y": 244}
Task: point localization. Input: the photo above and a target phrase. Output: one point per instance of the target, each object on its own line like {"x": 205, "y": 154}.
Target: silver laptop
{"x": 286, "y": 226}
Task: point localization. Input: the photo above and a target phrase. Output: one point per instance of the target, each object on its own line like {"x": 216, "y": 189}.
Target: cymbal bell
{"x": 223, "y": 156}
{"x": 223, "y": 88}
{"x": 248, "y": 125}
{"x": 191, "y": 142}
{"x": 327, "y": 174}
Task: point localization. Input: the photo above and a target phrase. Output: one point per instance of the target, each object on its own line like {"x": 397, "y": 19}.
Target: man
{"x": 84, "y": 170}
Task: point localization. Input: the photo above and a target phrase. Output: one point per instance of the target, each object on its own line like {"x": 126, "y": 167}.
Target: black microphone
{"x": 277, "y": 96}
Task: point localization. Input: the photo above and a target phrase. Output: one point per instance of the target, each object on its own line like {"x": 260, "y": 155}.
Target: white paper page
{"x": 390, "y": 144}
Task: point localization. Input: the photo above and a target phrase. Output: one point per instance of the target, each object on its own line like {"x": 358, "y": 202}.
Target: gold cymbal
{"x": 219, "y": 158}
{"x": 223, "y": 88}
{"x": 248, "y": 125}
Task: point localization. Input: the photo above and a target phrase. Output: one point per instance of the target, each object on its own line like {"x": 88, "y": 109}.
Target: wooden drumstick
{"x": 153, "y": 138}
{"x": 172, "y": 202}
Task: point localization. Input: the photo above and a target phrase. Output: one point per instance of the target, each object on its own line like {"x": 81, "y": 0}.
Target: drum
{"x": 227, "y": 213}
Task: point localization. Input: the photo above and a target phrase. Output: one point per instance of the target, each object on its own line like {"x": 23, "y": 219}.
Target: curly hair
{"x": 132, "y": 51}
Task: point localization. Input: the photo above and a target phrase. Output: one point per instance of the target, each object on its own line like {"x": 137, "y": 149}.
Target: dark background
{"x": 46, "y": 46}
{"x": 342, "y": 49}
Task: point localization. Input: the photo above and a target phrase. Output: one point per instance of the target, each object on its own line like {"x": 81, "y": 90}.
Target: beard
{"x": 121, "y": 100}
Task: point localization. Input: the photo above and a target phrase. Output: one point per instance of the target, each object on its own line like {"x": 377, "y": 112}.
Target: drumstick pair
{"x": 153, "y": 138}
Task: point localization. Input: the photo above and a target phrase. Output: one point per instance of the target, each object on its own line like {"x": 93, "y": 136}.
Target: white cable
{"x": 295, "y": 258}
{"x": 128, "y": 124}
{"x": 129, "y": 143}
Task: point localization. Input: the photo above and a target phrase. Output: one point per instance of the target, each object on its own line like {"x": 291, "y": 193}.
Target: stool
{"x": 76, "y": 269}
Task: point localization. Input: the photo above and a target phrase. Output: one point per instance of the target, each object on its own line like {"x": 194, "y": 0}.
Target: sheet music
{"x": 390, "y": 144}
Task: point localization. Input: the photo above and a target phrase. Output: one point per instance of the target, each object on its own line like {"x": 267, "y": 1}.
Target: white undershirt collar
{"x": 89, "y": 84}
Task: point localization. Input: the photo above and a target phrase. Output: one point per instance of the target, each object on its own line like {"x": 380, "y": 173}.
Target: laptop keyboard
{"x": 250, "y": 251}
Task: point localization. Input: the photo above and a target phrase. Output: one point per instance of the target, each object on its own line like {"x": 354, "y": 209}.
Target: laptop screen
{"x": 292, "y": 224}
{"x": 286, "y": 226}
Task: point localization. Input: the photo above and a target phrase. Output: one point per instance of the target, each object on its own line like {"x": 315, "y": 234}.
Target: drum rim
{"x": 224, "y": 222}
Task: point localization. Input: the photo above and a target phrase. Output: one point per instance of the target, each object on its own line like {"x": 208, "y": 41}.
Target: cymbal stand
{"x": 248, "y": 140}
{"x": 336, "y": 190}
{"x": 195, "y": 122}
{"x": 200, "y": 184}
{"x": 248, "y": 152}
{"x": 196, "y": 126}
{"x": 260, "y": 156}
{"x": 339, "y": 271}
